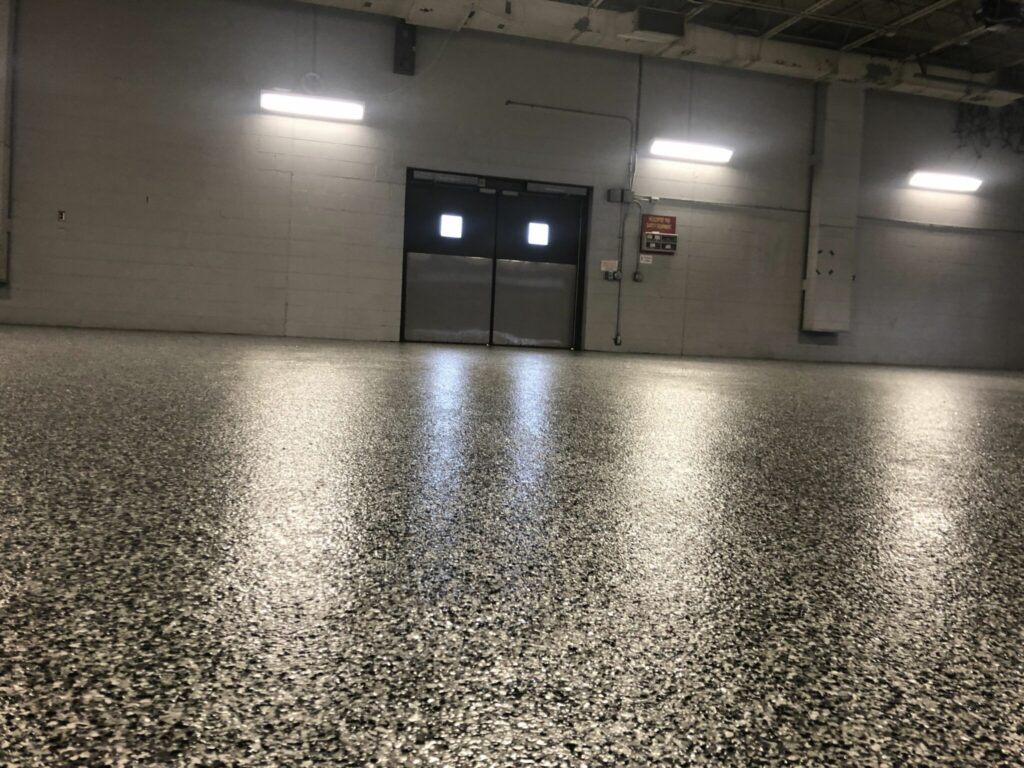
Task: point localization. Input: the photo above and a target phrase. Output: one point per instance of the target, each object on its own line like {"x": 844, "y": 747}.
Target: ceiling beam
{"x": 821, "y": 18}
{"x": 889, "y": 29}
{"x": 794, "y": 14}
{"x": 958, "y": 40}
{"x": 557, "y": 22}
{"x": 807, "y": 13}
{"x": 697, "y": 11}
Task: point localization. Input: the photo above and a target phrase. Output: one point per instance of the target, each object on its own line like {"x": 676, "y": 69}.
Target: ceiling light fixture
{"x": 686, "y": 150}
{"x": 301, "y": 105}
{"x": 945, "y": 182}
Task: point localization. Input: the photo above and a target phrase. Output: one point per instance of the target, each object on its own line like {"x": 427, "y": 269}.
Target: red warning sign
{"x": 658, "y": 234}
{"x": 665, "y": 225}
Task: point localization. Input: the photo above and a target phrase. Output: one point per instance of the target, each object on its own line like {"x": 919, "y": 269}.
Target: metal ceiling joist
{"x": 808, "y": 13}
{"x": 559, "y": 22}
{"x": 971, "y": 34}
{"x": 697, "y": 12}
{"x": 796, "y": 15}
{"x": 903, "y": 21}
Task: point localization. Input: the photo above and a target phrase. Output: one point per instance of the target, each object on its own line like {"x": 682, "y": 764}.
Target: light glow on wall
{"x": 302, "y": 105}
{"x": 686, "y": 150}
{"x": 945, "y": 182}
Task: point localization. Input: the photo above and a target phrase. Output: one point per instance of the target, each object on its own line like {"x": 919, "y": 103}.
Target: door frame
{"x": 457, "y": 180}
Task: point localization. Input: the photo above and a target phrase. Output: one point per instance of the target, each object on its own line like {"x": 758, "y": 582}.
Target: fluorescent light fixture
{"x": 538, "y": 234}
{"x": 686, "y": 150}
{"x": 317, "y": 107}
{"x": 451, "y": 226}
{"x": 945, "y": 182}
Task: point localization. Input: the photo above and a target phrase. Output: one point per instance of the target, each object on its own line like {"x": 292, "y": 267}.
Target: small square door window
{"x": 538, "y": 233}
{"x": 451, "y": 226}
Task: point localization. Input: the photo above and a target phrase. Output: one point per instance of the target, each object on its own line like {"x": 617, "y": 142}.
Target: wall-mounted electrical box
{"x": 658, "y": 234}
{"x": 619, "y": 195}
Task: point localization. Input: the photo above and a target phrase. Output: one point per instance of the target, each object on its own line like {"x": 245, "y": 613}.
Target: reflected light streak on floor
{"x": 237, "y": 551}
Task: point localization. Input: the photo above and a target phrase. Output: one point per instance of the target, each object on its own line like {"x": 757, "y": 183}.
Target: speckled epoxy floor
{"x": 233, "y": 551}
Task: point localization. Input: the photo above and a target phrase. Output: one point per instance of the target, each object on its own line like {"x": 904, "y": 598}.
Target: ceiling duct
{"x": 652, "y": 25}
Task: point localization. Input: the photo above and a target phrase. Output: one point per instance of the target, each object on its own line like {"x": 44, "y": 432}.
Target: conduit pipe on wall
{"x": 812, "y": 162}
{"x": 940, "y": 227}
{"x": 624, "y": 206}
{"x": 720, "y": 206}
{"x": 8, "y": 10}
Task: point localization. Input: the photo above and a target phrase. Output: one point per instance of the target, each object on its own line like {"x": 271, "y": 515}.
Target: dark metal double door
{"x": 492, "y": 262}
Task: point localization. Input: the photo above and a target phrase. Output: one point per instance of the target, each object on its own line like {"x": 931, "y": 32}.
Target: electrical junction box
{"x": 658, "y": 234}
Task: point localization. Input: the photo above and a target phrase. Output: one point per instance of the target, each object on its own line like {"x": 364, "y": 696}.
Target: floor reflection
{"x": 283, "y": 566}
{"x": 267, "y": 552}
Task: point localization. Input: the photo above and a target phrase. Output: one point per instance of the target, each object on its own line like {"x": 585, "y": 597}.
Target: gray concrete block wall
{"x": 936, "y": 296}
{"x": 734, "y": 287}
{"x": 188, "y": 209}
{"x": 6, "y": 94}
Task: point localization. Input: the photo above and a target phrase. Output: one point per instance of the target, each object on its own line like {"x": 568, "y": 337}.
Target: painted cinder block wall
{"x": 187, "y": 209}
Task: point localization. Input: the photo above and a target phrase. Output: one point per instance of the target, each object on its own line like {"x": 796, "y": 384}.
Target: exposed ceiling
{"x": 942, "y": 32}
{"x": 933, "y": 48}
